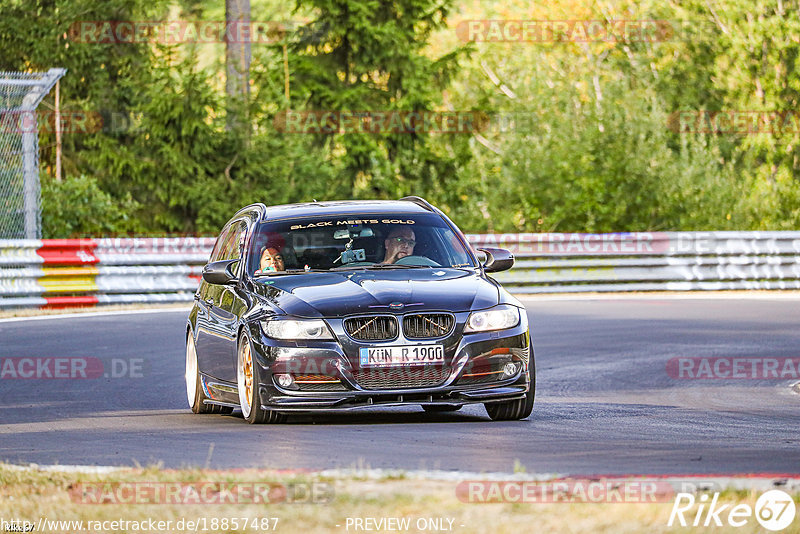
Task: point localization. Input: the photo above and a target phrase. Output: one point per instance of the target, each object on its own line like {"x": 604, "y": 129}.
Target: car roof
{"x": 344, "y": 208}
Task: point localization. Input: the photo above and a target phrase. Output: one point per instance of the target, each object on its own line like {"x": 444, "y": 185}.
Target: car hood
{"x": 336, "y": 294}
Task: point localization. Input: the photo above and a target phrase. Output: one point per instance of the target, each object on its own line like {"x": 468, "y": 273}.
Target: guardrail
{"x": 85, "y": 272}
{"x": 648, "y": 261}
{"x": 60, "y": 273}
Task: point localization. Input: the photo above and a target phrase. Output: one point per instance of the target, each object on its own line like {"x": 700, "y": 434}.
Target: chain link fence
{"x": 20, "y": 94}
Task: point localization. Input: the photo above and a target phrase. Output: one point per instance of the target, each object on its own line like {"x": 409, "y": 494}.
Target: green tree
{"x": 42, "y": 34}
{"x": 368, "y": 55}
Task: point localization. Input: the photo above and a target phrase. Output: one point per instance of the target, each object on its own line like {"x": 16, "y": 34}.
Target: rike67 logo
{"x": 774, "y": 510}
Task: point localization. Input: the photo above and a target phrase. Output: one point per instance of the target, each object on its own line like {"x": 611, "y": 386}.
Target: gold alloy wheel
{"x": 248, "y": 373}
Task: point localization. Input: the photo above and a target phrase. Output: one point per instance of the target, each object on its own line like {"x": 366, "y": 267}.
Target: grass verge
{"x": 321, "y": 502}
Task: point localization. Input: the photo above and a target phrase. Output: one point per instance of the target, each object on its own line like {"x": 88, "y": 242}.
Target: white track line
{"x": 94, "y": 314}
{"x": 85, "y": 469}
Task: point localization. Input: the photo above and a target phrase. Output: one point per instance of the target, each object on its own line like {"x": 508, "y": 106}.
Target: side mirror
{"x": 219, "y": 272}
{"x": 497, "y": 259}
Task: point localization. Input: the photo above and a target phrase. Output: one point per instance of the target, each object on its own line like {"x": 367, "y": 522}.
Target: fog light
{"x": 510, "y": 369}
{"x": 284, "y": 381}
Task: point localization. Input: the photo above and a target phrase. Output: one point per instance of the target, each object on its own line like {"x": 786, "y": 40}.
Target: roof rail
{"x": 257, "y": 206}
{"x": 419, "y": 201}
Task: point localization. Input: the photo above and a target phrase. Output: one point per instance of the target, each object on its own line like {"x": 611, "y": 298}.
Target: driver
{"x": 399, "y": 244}
{"x": 271, "y": 260}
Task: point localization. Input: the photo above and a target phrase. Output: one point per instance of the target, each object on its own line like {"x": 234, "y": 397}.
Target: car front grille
{"x": 484, "y": 377}
{"x": 372, "y": 328}
{"x": 318, "y": 383}
{"x": 484, "y": 370}
{"x": 489, "y": 368}
{"x": 427, "y": 325}
{"x": 401, "y": 377}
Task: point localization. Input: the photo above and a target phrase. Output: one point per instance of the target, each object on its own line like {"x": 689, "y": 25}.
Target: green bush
{"x": 77, "y": 207}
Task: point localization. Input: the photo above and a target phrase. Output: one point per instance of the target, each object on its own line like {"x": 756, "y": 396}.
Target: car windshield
{"x": 365, "y": 241}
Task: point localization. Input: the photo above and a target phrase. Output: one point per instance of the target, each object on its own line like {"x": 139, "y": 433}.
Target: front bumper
{"x": 464, "y": 354}
{"x": 376, "y": 399}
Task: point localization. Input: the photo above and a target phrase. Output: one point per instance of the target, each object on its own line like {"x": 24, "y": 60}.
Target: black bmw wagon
{"x": 337, "y": 306}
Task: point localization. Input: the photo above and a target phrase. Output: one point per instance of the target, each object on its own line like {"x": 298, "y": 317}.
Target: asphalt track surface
{"x": 605, "y": 403}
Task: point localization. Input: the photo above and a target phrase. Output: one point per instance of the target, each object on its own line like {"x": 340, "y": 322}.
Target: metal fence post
{"x": 20, "y": 94}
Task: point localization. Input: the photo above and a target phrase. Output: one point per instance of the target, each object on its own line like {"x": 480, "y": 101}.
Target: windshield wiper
{"x": 395, "y": 266}
{"x": 289, "y": 271}
{"x": 378, "y": 266}
{"x": 349, "y": 267}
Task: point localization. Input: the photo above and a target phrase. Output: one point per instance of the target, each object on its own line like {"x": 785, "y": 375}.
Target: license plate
{"x": 400, "y": 355}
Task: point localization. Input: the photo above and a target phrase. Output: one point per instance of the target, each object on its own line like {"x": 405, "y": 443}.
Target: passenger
{"x": 399, "y": 244}
{"x": 271, "y": 260}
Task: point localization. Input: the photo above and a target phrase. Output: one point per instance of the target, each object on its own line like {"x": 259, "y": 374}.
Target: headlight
{"x": 497, "y": 318}
{"x": 296, "y": 329}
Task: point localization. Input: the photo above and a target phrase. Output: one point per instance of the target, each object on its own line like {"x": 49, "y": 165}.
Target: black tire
{"x": 250, "y": 394}
{"x": 441, "y": 408}
{"x": 195, "y": 395}
{"x": 516, "y": 409}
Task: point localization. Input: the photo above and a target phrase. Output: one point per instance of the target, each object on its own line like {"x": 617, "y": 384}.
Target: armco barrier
{"x": 85, "y": 272}
{"x": 60, "y": 273}
{"x": 648, "y": 261}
